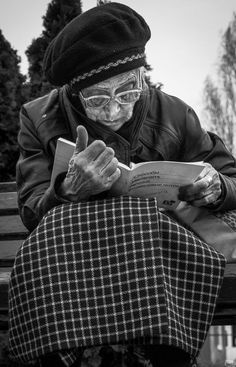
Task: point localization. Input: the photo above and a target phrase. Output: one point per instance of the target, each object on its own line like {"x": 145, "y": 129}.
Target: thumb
{"x": 82, "y": 139}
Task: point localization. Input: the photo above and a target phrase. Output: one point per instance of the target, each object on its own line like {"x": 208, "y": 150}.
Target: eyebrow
{"x": 132, "y": 81}
{"x": 104, "y": 89}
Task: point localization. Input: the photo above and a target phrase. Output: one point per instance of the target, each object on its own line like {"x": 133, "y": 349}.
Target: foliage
{"x": 10, "y": 100}
{"x": 59, "y": 13}
{"x": 102, "y": 2}
{"x": 14, "y": 90}
{"x": 220, "y": 96}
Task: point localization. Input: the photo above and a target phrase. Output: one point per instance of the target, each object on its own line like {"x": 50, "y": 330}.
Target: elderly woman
{"x": 111, "y": 281}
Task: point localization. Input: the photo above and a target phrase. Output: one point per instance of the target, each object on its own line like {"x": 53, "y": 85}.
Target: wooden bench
{"x": 13, "y": 232}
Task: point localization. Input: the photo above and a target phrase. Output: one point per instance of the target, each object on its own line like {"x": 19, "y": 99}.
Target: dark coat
{"x": 162, "y": 128}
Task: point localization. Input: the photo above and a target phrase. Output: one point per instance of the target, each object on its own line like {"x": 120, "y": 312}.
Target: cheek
{"x": 126, "y": 112}
{"x": 94, "y": 114}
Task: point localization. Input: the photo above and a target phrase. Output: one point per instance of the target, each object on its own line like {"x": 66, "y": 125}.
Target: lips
{"x": 111, "y": 122}
{"x": 113, "y": 125}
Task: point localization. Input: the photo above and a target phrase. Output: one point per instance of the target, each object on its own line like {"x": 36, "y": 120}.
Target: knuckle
{"x": 81, "y": 163}
{"x": 88, "y": 173}
{"x": 207, "y": 200}
{"x": 82, "y": 156}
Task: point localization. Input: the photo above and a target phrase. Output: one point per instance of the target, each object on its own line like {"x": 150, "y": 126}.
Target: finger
{"x": 82, "y": 139}
{"x": 205, "y": 171}
{"x": 112, "y": 178}
{"x": 196, "y": 196}
{"x": 213, "y": 190}
{"x": 187, "y": 192}
{"x": 209, "y": 182}
{"x": 199, "y": 186}
{"x": 206, "y": 200}
{"x": 110, "y": 168}
{"x": 94, "y": 150}
{"x": 104, "y": 159}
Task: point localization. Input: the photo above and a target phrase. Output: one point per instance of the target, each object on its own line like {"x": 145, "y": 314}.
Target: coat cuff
{"x": 227, "y": 199}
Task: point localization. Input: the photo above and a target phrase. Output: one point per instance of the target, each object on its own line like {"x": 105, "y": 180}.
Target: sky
{"x": 183, "y": 49}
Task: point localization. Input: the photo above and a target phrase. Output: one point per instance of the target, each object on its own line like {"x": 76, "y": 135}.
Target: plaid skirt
{"x": 114, "y": 271}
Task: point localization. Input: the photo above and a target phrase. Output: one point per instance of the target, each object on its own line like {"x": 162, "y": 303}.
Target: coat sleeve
{"x": 33, "y": 173}
{"x": 200, "y": 145}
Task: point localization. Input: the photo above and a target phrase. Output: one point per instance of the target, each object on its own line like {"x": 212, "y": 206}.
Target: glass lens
{"x": 128, "y": 97}
{"x": 125, "y": 97}
{"x": 96, "y": 101}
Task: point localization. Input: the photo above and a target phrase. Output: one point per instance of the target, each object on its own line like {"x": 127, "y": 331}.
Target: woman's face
{"x": 113, "y": 114}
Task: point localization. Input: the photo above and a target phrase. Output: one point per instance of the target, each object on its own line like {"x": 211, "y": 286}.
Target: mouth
{"x": 111, "y": 121}
{"x": 113, "y": 124}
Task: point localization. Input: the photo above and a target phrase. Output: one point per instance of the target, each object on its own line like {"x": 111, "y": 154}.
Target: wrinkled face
{"x": 109, "y": 103}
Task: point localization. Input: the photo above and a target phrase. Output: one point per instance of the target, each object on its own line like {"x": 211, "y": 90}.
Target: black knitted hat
{"x": 102, "y": 42}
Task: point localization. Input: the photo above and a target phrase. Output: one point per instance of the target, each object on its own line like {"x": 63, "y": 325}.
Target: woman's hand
{"x": 92, "y": 169}
{"x": 205, "y": 190}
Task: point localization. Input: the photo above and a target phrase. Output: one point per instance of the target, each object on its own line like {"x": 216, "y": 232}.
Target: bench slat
{"x": 230, "y": 270}
{"x": 8, "y": 203}
{"x": 11, "y": 227}
{"x": 227, "y": 296}
{"x": 4, "y": 281}
{"x": 225, "y": 318}
{"x": 8, "y": 249}
{"x": 8, "y": 200}
{"x": 7, "y": 186}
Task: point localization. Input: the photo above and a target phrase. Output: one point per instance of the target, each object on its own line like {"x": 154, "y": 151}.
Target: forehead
{"x": 115, "y": 81}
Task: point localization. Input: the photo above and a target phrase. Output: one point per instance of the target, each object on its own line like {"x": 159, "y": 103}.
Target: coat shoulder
{"x": 39, "y": 107}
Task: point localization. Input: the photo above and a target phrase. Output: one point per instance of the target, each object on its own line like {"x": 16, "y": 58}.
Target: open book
{"x": 160, "y": 179}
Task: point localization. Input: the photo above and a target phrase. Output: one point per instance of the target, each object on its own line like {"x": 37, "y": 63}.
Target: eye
{"x": 129, "y": 97}
{"x": 124, "y": 97}
{"x": 96, "y": 101}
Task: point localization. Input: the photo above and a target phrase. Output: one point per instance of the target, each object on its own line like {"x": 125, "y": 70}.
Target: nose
{"x": 112, "y": 110}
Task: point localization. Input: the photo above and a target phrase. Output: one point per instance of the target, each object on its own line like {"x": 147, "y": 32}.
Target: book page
{"x": 158, "y": 179}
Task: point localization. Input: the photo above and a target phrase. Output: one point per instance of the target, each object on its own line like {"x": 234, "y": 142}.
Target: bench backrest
{"x": 12, "y": 234}
{"x": 12, "y": 230}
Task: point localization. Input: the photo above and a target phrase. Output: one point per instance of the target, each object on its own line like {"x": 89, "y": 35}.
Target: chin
{"x": 113, "y": 126}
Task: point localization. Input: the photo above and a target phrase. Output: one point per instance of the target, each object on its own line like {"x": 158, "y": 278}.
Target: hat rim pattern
{"x": 107, "y": 67}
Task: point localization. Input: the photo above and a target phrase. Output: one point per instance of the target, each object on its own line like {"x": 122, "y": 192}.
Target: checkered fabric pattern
{"x": 108, "y": 272}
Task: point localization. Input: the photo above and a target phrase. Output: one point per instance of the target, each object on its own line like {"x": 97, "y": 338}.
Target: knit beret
{"x": 100, "y": 43}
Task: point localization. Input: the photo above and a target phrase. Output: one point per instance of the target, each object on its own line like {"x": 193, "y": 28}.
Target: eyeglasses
{"x": 123, "y": 98}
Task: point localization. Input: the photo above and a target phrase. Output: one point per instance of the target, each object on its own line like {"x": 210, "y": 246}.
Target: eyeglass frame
{"x": 111, "y": 98}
